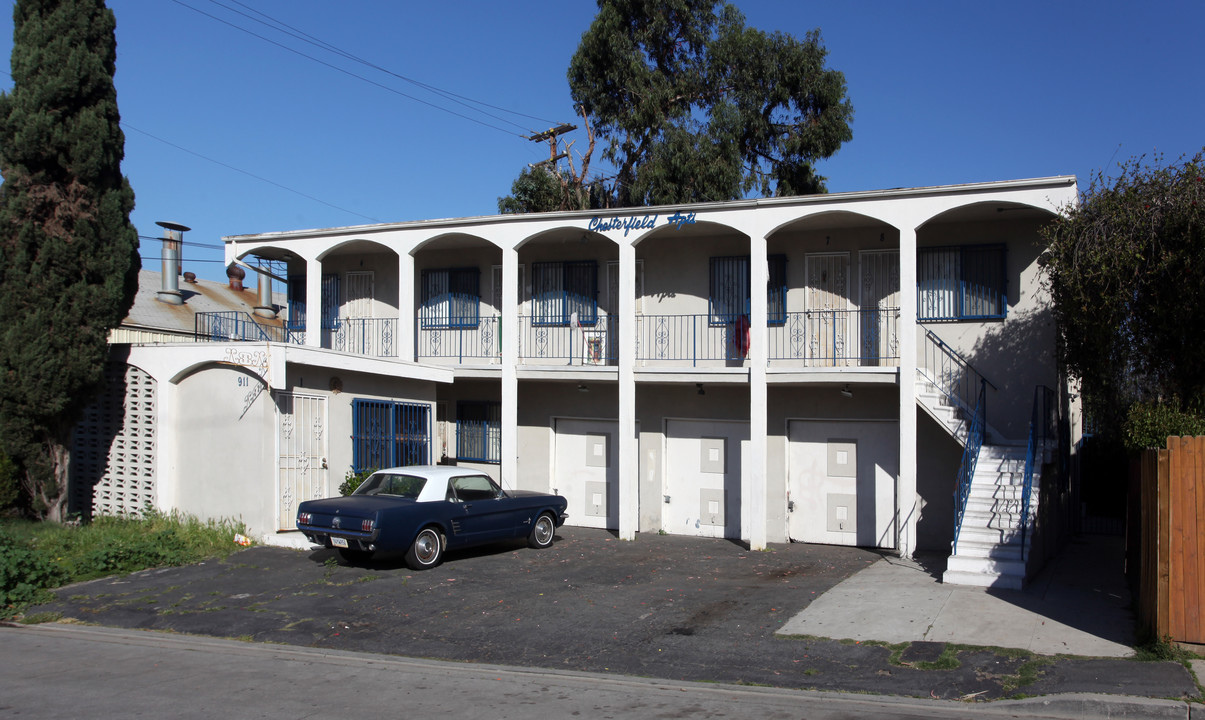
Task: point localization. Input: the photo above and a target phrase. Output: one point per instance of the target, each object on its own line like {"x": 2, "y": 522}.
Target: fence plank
{"x": 1175, "y": 577}
{"x": 1186, "y": 510}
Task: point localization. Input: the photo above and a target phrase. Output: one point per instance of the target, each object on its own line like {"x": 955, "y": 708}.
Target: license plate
{"x": 339, "y": 542}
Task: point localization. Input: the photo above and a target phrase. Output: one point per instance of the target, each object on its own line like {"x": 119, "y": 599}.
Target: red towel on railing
{"x": 741, "y": 336}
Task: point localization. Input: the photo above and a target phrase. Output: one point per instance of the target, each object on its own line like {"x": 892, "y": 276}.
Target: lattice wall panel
{"x": 113, "y": 452}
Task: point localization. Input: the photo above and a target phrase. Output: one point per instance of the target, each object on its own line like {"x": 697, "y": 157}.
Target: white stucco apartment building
{"x": 792, "y": 369}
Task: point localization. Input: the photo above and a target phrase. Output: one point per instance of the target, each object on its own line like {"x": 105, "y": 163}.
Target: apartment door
{"x": 829, "y": 323}
{"x": 303, "y": 453}
{"x": 357, "y": 314}
{"x": 880, "y": 305}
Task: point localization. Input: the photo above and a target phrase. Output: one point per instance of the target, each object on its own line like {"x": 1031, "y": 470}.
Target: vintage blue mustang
{"x": 425, "y": 510}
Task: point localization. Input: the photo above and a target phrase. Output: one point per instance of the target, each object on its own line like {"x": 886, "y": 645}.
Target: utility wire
{"x": 248, "y": 174}
{"x": 128, "y": 126}
{"x": 463, "y": 100}
{"x": 346, "y": 72}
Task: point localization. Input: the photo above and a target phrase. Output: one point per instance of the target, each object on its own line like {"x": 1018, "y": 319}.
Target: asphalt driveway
{"x": 663, "y": 606}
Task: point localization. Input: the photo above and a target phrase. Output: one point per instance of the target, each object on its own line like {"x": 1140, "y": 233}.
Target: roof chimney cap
{"x": 167, "y": 224}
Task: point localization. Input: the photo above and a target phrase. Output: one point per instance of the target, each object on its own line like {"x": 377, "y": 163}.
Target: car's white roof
{"x": 437, "y": 476}
{"x": 433, "y": 472}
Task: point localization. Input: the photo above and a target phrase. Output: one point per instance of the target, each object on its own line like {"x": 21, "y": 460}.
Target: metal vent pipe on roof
{"x": 173, "y": 239}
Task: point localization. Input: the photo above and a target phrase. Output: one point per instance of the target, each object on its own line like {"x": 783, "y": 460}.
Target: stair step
{"x": 1005, "y": 582}
{"x": 991, "y": 565}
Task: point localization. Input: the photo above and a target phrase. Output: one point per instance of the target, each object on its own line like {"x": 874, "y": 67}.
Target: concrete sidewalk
{"x": 1078, "y": 605}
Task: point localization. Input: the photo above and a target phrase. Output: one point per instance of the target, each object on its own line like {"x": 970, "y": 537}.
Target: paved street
{"x": 56, "y": 671}
{"x": 666, "y": 607}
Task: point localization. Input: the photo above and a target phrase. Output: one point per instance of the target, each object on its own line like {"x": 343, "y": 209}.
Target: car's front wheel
{"x": 542, "y": 531}
{"x": 426, "y": 550}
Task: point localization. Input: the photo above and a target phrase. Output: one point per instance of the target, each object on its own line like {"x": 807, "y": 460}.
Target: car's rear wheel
{"x": 542, "y": 531}
{"x": 426, "y": 550}
{"x": 355, "y": 556}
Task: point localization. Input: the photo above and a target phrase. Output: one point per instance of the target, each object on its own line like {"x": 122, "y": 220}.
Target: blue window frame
{"x": 964, "y": 282}
{"x": 729, "y": 292}
{"x": 297, "y": 301}
{"x": 561, "y": 289}
{"x": 451, "y": 298}
{"x": 479, "y": 431}
{"x": 387, "y": 433}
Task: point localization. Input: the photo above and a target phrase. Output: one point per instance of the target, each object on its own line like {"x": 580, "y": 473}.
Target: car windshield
{"x": 407, "y": 486}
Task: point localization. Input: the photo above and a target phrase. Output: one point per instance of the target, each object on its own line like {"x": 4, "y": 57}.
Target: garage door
{"x": 586, "y": 471}
{"x": 703, "y": 477}
{"x": 841, "y": 483}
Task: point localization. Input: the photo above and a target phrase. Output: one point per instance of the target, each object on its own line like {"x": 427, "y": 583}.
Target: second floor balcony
{"x": 810, "y": 338}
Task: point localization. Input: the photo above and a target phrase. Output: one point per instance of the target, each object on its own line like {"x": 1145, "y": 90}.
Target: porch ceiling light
{"x": 582, "y": 387}
{"x": 846, "y": 392}
{"x": 699, "y": 389}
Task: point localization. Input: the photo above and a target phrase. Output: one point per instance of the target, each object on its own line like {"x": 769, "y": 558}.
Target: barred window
{"x": 961, "y": 283}
{"x": 560, "y": 289}
{"x": 386, "y": 433}
{"x": 729, "y": 291}
{"x": 479, "y": 431}
{"x": 450, "y": 298}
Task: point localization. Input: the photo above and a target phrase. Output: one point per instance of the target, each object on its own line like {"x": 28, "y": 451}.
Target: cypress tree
{"x": 68, "y": 253}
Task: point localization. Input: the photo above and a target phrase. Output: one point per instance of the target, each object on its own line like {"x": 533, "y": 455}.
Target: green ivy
{"x": 24, "y": 574}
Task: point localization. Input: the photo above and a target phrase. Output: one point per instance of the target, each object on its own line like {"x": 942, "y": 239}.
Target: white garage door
{"x": 703, "y": 477}
{"x": 586, "y": 471}
{"x": 842, "y": 482}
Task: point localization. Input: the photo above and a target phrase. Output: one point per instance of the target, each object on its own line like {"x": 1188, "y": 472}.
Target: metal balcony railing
{"x": 238, "y": 326}
{"x": 540, "y": 342}
{"x": 479, "y": 341}
{"x": 371, "y": 337}
{"x": 812, "y": 338}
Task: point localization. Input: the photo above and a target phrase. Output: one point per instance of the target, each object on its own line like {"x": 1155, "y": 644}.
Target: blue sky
{"x": 944, "y": 92}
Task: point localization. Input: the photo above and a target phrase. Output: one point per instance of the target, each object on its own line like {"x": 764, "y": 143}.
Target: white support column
{"x": 406, "y": 310}
{"x": 313, "y": 303}
{"x": 508, "y": 328}
{"x": 753, "y": 476}
{"x": 629, "y": 444}
{"x": 907, "y": 501}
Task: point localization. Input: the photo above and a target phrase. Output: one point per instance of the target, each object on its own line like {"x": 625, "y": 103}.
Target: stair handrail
{"x": 950, "y": 372}
{"x": 970, "y": 458}
{"x": 1041, "y": 431}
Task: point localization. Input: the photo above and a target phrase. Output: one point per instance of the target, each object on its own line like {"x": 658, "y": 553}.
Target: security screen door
{"x": 829, "y": 326}
{"x": 303, "y": 455}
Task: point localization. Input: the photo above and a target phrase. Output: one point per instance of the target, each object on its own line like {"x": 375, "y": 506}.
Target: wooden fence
{"x": 1171, "y": 540}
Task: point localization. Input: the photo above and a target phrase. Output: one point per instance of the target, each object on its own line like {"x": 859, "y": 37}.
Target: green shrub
{"x": 1149, "y": 425}
{"x": 24, "y": 575}
{"x": 353, "y": 480}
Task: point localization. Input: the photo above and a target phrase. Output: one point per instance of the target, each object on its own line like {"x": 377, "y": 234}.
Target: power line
{"x": 248, "y": 174}
{"x": 128, "y": 126}
{"x": 345, "y": 72}
{"x": 317, "y": 42}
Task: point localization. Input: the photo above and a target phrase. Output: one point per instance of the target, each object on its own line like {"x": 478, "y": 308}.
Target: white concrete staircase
{"x": 988, "y": 552}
